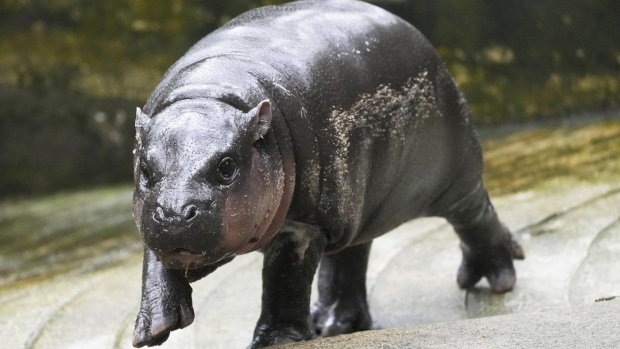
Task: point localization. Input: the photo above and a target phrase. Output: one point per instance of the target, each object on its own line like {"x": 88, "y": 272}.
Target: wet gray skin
{"x": 304, "y": 131}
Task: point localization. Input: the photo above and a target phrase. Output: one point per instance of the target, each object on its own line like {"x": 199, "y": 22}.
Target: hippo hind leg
{"x": 342, "y": 306}
{"x": 488, "y": 246}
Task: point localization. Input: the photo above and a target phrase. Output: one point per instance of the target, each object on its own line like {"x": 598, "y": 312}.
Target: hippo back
{"x": 374, "y": 118}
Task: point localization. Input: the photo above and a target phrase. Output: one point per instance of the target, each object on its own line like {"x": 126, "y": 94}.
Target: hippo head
{"x": 209, "y": 180}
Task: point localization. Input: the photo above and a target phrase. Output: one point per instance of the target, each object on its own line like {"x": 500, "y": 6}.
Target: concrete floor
{"x": 570, "y": 235}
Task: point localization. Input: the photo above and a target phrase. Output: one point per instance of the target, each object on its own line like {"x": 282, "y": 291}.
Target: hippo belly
{"x": 304, "y": 131}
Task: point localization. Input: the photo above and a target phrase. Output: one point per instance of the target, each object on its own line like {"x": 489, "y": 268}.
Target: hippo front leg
{"x": 166, "y": 303}
{"x": 290, "y": 262}
{"x": 166, "y": 300}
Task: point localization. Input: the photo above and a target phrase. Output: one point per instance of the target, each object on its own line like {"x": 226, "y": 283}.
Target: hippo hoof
{"x": 501, "y": 279}
{"x": 341, "y": 317}
{"x": 161, "y": 315}
{"x": 495, "y": 264}
{"x": 265, "y": 336}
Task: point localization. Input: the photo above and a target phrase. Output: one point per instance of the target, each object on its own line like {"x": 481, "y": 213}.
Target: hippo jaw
{"x": 181, "y": 258}
{"x": 187, "y": 215}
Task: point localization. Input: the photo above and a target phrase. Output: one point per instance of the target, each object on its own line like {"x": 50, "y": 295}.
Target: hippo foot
{"x": 163, "y": 311}
{"x": 493, "y": 263}
{"x": 267, "y": 335}
{"x": 341, "y": 317}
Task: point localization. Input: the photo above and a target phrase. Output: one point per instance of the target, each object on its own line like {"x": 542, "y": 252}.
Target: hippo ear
{"x": 262, "y": 119}
{"x": 141, "y": 120}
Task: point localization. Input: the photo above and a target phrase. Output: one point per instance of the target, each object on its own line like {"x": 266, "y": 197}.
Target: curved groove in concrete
{"x": 557, "y": 253}
{"x": 40, "y": 327}
{"x": 606, "y": 244}
{"x": 565, "y": 211}
{"x": 238, "y": 296}
{"x": 119, "y": 333}
{"x": 419, "y": 283}
{"x": 395, "y": 253}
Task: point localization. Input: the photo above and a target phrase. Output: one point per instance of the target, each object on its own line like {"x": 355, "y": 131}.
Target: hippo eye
{"x": 146, "y": 174}
{"x": 227, "y": 168}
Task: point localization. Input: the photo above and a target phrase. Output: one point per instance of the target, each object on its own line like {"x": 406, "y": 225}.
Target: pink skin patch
{"x": 249, "y": 212}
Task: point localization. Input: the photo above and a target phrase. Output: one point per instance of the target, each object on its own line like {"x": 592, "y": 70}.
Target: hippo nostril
{"x": 190, "y": 212}
{"x": 158, "y": 215}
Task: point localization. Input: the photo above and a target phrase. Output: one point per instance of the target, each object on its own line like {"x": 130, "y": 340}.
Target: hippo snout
{"x": 182, "y": 234}
{"x": 169, "y": 217}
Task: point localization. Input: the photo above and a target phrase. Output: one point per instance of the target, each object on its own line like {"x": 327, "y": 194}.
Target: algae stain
{"x": 528, "y": 159}
{"x": 42, "y": 237}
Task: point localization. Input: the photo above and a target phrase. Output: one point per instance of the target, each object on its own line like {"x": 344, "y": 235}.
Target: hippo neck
{"x": 285, "y": 147}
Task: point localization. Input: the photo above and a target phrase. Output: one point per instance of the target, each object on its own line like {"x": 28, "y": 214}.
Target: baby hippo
{"x": 304, "y": 131}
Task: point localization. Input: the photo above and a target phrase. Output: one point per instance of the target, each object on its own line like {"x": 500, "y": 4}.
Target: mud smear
{"x": 388, "y": 114}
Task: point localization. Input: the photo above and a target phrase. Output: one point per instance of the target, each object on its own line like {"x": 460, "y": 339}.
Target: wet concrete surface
{"x": 70, "y": 265}
{"x": 594, "y": 326}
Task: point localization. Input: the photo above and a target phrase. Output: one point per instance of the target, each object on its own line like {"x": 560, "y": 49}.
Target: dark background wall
{"x": 73, "y": 71}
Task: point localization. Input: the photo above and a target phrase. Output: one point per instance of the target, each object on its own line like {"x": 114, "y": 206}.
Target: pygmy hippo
{"x": 304, "y": 131}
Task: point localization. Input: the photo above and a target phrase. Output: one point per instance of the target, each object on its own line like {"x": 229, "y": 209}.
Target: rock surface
{"x": 70, "y": 264}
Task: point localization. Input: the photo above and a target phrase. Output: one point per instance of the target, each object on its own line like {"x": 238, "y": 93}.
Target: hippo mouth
{"x": 181, "y": 258}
